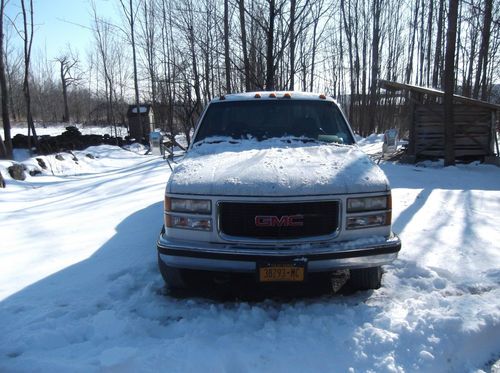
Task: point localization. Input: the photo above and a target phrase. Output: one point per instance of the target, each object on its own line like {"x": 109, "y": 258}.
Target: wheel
{"x": 366, "y": 278}
{"x": 174, "y": 277}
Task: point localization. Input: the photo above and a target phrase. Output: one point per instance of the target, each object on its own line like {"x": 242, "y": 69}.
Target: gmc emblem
{"x": 283, "y": 221}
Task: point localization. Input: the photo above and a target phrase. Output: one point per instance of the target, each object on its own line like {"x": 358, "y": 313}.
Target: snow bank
{"x": 93, "y": 160}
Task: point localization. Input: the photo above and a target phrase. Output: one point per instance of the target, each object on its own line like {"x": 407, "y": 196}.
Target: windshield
{"x": 303, "y": 119}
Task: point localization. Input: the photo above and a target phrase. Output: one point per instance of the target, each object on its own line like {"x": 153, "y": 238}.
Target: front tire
{"x": 366, "y": 278}
{"x": 174, "y": 277}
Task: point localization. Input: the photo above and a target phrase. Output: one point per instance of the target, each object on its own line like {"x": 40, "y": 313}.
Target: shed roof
{"x": 396, "y": 86}
{"x": 143, "y": 109}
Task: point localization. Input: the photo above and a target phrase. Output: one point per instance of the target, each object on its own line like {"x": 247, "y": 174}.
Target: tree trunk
{"x": 134, "y": 59}
{"x": 422, "y": 45}
{"x": 357, "y": 64}
{"x": 313, "y": 57}
{"x": 270, "y": 47}
{"x": 2, "y": 181}
{"x": 150, "y": 50}
{"x": 3, "y": 150}
{"x": 28, "y": 41}
{"x": 375, "y": 64}
{"x": 467, "y": 90}
{"x": 172, "y": 74}
{"x": 195, "y": 70}
{"x": 437, "y": 54}
{"x": 207, "y": 54}
{"x": 364, "y": 54}
{"x": 7, "y": 145}
{"x": 449, "y": 84}
{"x": 65, "y": 93}
{"x": 458, "y": 41}
{"x": 293, "y": 5}
{"x": 485, "y": 43}
{"x": 411, "y": 47}
{"x": 227, "y": 62}
{"x": 348, "y": 31}
{"x": 430, "y": 23}
{"x": 246, "y": 61}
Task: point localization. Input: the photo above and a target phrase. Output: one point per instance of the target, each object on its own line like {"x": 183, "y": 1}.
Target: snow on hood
{"x": 275, "y": 167}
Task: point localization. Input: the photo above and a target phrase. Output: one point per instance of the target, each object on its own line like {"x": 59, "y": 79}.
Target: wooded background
{"x": 178, "y": 55}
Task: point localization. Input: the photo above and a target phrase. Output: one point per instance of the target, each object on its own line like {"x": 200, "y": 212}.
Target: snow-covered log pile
{"x": 71, "y": 139}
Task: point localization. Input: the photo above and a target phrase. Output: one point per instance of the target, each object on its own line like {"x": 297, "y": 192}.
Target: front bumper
{"x": 320, "y": 257}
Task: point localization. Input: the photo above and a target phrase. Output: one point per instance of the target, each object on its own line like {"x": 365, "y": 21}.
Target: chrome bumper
{"x": 320, "y": 257}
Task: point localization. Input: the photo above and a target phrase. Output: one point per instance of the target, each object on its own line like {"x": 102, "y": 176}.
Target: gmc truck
{"x": 274, "y": 186}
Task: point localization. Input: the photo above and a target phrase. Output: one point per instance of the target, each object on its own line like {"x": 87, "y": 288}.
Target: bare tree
{"x": 421, "y": 45}
{"x": 376, "y": 10}
{"x": 130, "y": 14}
{"x": 470, "y": 51}
{"x": 189, "y": 23}
{"x": 346, "y": 17}
{"x": 102, "y": 34}
{"x": 27, "y": 37}
{"x": 13, "y": 60}
{"x": 227, "y": 61}
{"x": 148, "y": 28}
{"x": 482, "y": 65}
{"x": 430, "y": 23}
{"x": 7, "y": 145}
{"x": 411, "y": 46}
{"x": 270, "y": 71}
{"x": 317, "y": 13}
{"x": 437, "y": 69}
{"x": 449, "y": 84}
{"x": 246, "y": 61}
{"x": 67, "y": 64}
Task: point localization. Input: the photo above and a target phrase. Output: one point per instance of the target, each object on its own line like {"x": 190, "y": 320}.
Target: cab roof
{"x": 274, "y": 95}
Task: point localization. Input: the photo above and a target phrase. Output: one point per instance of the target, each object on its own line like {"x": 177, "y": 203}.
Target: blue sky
{"x": 56, "y": 23}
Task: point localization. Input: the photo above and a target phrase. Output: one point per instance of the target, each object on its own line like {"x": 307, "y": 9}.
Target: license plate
{"x": 281, "y": 273}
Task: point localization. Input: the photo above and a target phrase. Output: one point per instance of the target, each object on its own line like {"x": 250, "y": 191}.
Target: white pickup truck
{"x": 274, "y": 187}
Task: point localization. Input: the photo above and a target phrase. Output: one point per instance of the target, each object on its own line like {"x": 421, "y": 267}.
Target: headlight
{"x": 194, "y": 206}
{"x": 189, "y": 222}
{"x": 368, "y": 212}
{"x": 368, "y": 203}
{"x": 368, "y": 221}
{"x": 188, "y": 213}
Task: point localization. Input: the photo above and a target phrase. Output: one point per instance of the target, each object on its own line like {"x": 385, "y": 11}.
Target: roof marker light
{"x": 322, "y": 96}
{"x": 287, "y": 95}
{"x": 257, "y": 95}
{"x": 272, "y": 95}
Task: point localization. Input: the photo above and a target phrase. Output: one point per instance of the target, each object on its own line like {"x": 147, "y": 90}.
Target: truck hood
{"x": 277, "y": 167}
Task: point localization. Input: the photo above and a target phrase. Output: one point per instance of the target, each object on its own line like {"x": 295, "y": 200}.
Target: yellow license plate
{"x": 281, "y": 273}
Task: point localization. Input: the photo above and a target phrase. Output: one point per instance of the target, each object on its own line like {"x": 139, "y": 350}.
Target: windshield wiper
{"x": 215, "y": 141}
{"x": 304, "y": 139}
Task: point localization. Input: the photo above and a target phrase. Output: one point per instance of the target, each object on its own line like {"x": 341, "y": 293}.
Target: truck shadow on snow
{"x": 125, "y": 267}
{"x": 116, "y": 297}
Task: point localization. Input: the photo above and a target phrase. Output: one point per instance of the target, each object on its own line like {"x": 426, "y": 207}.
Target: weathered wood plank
{"x": 473, "y": 126}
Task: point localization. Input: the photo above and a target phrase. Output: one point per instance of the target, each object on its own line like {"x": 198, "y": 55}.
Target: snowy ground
{"x": 80, "y": 292}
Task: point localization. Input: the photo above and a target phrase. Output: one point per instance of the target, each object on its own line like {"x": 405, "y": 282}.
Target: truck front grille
{"x": 278, "y": 220}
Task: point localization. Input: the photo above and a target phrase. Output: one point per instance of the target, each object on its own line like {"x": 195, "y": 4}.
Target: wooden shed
{"x": 141, "y": 123}
{"x": 475, "y": 123}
